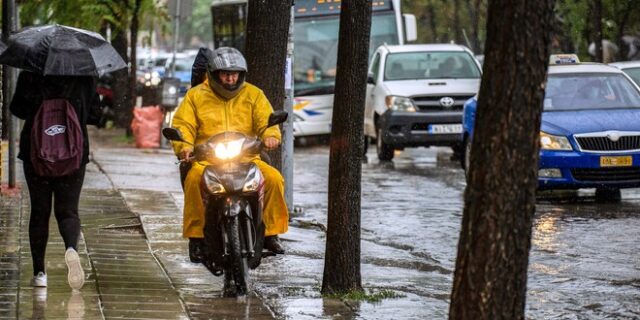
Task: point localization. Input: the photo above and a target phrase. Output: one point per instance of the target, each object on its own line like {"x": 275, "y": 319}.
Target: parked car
{"x": 590, "y": 131}
{"x": 183, "y": 66}
{"x": 631, "y": 68}
{"x": 415, "y": 95}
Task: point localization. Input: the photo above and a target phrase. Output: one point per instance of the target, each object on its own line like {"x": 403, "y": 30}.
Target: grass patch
{"x": 123, "y": 139}
{"x": 371, "y": 296}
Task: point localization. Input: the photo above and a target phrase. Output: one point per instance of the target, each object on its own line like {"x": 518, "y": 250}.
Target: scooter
{"x": 232, "y": 197}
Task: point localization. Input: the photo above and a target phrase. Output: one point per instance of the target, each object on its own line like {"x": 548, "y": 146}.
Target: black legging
{"x": 64, "y": 192}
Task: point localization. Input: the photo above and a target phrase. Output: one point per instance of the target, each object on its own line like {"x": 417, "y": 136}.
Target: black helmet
{"x": 227, "y": 59}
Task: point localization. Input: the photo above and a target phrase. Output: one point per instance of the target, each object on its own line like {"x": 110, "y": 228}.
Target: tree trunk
{"x": 266, "y": 52}
{"x": 597, "y": 28}
{"x": 623, "y": 19}
{"x": 121, "y": 96}
{"x": 493, "y": 251}
{"x": 456, "y": 22}
{"x": 432, "y": 23}
{"x": 342, "y": 257}
{"x": 474, "y": 9}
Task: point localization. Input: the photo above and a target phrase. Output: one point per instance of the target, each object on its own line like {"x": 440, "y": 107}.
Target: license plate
{"x": 444, "y": 128}
{"x": 624, "y": 161}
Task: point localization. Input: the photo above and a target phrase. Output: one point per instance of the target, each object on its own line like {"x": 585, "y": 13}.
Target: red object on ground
{"x": 146, "y": 126}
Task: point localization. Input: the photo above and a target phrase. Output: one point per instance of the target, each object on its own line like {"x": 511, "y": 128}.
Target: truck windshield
{"x": 316, "y": 50}
{"x": 590, "y": 91}
{"x": 430, "y": 65}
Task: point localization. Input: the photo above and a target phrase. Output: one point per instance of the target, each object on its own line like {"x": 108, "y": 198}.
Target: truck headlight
{"x": 212, "y": 183}
{"x": 400, "y": 104}
{"x": 551, "y": 142}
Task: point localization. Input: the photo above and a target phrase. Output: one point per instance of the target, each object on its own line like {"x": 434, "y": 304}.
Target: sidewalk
{"x": 137, "y": 265}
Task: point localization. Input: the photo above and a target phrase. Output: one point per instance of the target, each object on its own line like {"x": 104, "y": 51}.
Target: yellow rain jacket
{"x": 203, "y": 114}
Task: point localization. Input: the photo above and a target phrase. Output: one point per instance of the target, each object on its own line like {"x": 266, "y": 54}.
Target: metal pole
{"x": 287, "y": 146}
{"x": 8, "y": 80}
{"x": 175, "y": 37}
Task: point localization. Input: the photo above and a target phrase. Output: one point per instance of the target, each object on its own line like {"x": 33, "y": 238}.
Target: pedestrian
{"x": 33, "y": 94}
{"x": 225, "y": 102}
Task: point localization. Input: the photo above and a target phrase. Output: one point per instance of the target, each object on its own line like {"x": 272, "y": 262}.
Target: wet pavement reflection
{"x": 585, "y": 258}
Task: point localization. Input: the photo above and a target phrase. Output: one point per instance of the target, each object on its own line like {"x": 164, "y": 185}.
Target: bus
{"x": 316, "y": 27}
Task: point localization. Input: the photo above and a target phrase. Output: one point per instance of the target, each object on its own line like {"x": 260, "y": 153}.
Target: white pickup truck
{"x": 415, "y": 95}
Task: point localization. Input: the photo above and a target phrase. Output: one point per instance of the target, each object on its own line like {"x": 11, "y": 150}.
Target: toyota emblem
{"x": 447, "y": 102}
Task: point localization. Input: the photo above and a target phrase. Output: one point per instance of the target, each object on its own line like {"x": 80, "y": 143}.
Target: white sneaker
{"x": 39, "y": 280}
{"x": 76, "y": 274}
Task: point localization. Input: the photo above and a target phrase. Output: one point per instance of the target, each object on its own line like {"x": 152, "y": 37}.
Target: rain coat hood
{"x": 203, "y": 114}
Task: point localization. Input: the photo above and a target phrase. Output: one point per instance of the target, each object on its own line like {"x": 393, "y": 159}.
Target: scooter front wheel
{"x": 237, "y": 267}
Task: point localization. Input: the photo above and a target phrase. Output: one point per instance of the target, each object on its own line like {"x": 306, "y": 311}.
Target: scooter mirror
{"x": 277, "y": 117}
{"x": 172, "y": 134}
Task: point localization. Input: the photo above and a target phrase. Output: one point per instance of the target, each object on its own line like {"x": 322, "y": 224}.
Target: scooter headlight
{"x": 254, "y": 179}
{"x": 228, "y": 149}
{"x": 212, "y": 183}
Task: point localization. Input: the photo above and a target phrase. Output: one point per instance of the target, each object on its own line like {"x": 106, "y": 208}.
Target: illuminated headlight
{"x": 400, "y": 104}
{"x": 549, "y": 173}
{"x": 212, "y": 183}
{"x": 147, "y": 75}
{"x": 253, "y": 180}
{"x": 229, "y": 149}
{"x": 551, "y": 142}
{"x": 155, "y": 81}
{"x": 172, "y": 90}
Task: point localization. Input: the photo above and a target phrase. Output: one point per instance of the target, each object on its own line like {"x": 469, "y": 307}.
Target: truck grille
{"x": 432, "y": 103}
{"x": 603, "y": 143}
{"x": 607, "y": 174}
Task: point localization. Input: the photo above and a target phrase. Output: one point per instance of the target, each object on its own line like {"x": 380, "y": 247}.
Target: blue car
{"x": 590, "y": 131}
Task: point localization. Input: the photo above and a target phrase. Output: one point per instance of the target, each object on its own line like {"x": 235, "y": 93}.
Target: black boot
{"x": 196, "y": 252}
{"x": 272, "y": 243}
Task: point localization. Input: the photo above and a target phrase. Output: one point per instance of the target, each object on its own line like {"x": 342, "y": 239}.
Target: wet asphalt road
{"x": 585, "y": 258}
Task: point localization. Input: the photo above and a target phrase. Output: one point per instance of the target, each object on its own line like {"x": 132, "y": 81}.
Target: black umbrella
{"x": 61, "y": 50}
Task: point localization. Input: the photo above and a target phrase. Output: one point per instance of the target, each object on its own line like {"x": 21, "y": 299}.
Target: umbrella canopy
{"x": 61, "y": 50}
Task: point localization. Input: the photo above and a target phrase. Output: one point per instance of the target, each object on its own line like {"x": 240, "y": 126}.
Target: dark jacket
{"x": 32, "y": 89}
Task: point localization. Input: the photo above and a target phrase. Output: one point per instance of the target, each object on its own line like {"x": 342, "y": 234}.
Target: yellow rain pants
{"x": 275, "y": 213}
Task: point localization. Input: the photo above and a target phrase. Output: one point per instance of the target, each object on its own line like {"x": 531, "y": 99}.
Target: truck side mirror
{"x": 370, "y": 79}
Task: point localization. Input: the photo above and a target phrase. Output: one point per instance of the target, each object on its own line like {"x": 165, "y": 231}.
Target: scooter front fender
{"x": 235, "y": 206}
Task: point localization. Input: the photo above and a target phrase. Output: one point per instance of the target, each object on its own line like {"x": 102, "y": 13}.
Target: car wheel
{"x": 604, "y": 195}
{"x": 385, "y": 151}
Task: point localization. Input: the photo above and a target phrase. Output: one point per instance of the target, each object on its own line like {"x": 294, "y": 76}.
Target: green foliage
{"x": 89, "y": 14}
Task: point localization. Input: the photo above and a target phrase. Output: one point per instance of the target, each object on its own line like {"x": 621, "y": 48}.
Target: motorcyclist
{"x": 225, "y": 102}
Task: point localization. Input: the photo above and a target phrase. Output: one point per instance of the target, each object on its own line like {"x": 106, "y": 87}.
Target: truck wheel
{"x": 366, "y": 145}
{"x": 385, "y": 151}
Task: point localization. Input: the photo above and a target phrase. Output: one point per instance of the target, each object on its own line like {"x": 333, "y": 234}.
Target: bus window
{"x": 229, "y": 22}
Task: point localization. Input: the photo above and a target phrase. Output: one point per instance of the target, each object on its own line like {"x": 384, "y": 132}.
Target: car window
{"x": 634, "y": 73}
{"x": 590, "y": 91}
{"x": 430, "y": 65}
{"x": 375, "y": 66}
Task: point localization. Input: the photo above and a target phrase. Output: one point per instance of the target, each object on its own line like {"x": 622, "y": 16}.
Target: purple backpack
{"x": 56, "y": 139}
